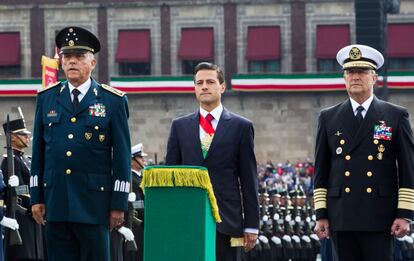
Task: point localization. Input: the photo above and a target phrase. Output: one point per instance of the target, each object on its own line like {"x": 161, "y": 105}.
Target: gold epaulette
{"x": 113, "y": 90}
{"x": 50, "y": 86}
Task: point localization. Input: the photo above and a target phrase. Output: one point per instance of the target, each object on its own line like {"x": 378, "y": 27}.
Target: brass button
{"x": 370, "y": 157}
{"x": 369, "y": 190}
{"x": 73, "y": 119}
{"x": 68, "y": 171}
{"x": 342, "y": 142}
{"x": 68, "y": 153}
{"x": 369, "y": 173}
{"x": 347, "y": 157}
{"x": 70, "y": 136}
{"x": 347, "y": 190}
{"x": 347, "y": 173}
{"x": 102, "y": 188}
{"x": 96, "y": 127}
{"x": 376, "y": 141}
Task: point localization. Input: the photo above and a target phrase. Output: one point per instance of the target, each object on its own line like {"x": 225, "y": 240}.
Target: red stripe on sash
{"x": 207, "y": 127}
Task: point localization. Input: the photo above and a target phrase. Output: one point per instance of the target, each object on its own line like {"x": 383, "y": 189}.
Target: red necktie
{"x": 209, "y": 118}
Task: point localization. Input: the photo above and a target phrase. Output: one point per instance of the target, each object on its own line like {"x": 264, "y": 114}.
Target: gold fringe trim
{"x": 181, "y": 177}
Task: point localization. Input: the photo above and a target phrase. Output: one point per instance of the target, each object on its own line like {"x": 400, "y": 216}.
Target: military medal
{"x": 338, "y": 150}
{"x": 97, "y": 110}
{"x": 380, "y": 154}
{"x": 88, "y": 135}
{"x": 382, "y": 132}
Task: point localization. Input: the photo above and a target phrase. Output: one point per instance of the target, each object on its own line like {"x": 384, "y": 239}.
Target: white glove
{"x": 127, "y": 233}
{"x": 10, "y": 223}
{"x": 132, "y": 197}
{"x": 13, "y": 181}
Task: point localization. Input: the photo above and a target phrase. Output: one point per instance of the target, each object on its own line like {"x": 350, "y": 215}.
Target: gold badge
{"x": 355, "y": 54}
{"x": 88, "y": 135}
{"x": 71, "y": 43}
{"x": 70, "y": 30}
{"x": 101, "y": 137}
{"x": 380, "y": 154}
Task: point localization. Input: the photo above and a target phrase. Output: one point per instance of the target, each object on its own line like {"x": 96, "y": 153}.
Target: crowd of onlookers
{"x": 286, "y": 176}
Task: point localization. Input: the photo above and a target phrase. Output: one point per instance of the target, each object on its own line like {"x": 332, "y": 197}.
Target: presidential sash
{"x": 208, "y": 129}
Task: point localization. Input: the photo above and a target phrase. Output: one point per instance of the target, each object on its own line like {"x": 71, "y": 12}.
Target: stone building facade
{"x": 285, "y": 122}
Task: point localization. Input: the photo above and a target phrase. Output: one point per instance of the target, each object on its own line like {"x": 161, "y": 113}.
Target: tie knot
{"x": 360, "y": 109}
{"x": 209, "y": 117}
{"x": 75, "y": 92}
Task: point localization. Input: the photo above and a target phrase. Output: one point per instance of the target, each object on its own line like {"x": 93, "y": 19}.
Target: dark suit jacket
{"x": 231, "y": 164}
{"x": 81, "y": 161}
{"x": 364, "y": 192}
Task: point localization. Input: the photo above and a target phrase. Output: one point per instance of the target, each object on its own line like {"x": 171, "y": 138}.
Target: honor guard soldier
{"x": 80, "y": 176}
{"x": 30, "y": 232}
{"x": 364, "y": 165}
{"x": 137, "y": 165}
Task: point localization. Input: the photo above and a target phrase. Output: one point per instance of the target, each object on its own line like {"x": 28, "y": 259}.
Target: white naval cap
{"x": 138, "y": 151}
{"x": 359, "y": 56}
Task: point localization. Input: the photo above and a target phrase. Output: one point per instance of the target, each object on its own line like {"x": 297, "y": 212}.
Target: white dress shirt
{"x": 366, "y": 105}
{"x": 83, "y": 88}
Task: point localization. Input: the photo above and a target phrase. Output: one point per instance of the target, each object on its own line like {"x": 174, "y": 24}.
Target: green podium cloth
{"x": 180, "y": 214}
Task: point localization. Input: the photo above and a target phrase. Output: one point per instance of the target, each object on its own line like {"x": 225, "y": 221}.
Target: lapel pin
{"x": 338, "y": 150}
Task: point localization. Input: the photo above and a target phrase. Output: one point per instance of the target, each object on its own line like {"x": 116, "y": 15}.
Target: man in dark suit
{"x": 80, "y": 175}
{"x": 222, "y": 141}
{"x": 364, "y": 165}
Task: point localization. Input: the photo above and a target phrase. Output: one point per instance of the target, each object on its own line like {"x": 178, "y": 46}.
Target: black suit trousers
{"x": 363, "y": 246}
{"x": 224, "y": 252}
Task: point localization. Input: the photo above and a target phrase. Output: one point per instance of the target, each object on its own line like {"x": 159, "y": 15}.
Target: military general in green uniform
{"x": 80, "y": 176}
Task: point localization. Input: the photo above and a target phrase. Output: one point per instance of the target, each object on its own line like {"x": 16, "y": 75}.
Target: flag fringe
{"x": 179, "y": 176}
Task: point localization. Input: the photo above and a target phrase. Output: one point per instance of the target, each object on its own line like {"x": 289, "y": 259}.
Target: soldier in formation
{"x": 286, "y": 227}
{"x": 32, "y": 247}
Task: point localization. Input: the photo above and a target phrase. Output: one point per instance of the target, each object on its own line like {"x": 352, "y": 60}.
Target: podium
{"x": 180, "y": 214}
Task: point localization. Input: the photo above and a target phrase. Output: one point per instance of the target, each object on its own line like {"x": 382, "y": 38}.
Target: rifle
{"x": 11, "y": 237}
{"x": 130, "y": 245}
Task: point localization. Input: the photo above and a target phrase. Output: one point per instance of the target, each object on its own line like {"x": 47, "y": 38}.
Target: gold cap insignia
{"x": 355, "y": 54}
{"x": 101, "y": 137}
{"x": 70, "y": 30}
{"x": 71, "y": 43}
{"x": 88, "y": 135}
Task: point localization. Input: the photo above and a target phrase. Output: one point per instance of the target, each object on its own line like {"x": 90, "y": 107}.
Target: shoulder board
{"x": 113, "y": 90}
{"x": 49, "y": 87}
